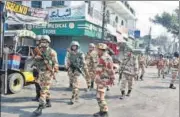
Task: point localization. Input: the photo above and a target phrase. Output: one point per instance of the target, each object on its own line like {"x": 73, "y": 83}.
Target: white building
{"x": 120, "y": 20}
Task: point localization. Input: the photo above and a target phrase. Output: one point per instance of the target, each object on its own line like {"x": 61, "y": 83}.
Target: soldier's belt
{"x": 104, "y": 77}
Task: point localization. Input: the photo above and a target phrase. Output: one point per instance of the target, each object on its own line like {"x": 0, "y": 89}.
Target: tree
{"x": 169, "y": 21}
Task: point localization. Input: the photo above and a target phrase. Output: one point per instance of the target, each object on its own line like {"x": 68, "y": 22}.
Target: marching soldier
{"x": 35, "y": 71}
{"x": 129, "y": 68}
{"x": 161, "y": 65}
{"x": 68, "y": 70}
{"x": 175, "y": 69}
{"x": 104, "y": 76}
{"x": 47, "y": 65}
{"x": 141, "y": 61}
{"x": 75, "y": 64}
{"x": 91, "y": 61}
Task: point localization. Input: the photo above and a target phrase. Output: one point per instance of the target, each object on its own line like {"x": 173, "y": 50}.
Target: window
{"x": 19, "y": 2}
{"x": 122, "y": 23}
{"x": 57, "y": 3}
{"x": 36, "y": 4}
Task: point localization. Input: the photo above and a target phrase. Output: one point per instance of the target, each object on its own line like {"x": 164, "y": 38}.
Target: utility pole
{"x": 103, "y": 18}
{"x": 149, "y": 43}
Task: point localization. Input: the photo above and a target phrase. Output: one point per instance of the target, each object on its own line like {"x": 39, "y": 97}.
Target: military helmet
{"x": 92, "y": 45}
{"x": 46, "y": 37}
{"x": 75, "y": 43}
{"x": 176, "y": 54}
{"x": 102, "y": 46}
{"x": 38, "y": 37}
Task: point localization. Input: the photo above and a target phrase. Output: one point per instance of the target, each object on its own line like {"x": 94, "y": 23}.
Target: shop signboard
{"x": 67, "y": 13}
{"x": 137, "y": 33}
{"x": 20, "y": 14}
{"x": 78, "y": 28}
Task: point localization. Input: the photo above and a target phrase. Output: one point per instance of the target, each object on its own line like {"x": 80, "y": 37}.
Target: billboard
{"x": 20, "y": 14}
{"x": 137, "y": 34}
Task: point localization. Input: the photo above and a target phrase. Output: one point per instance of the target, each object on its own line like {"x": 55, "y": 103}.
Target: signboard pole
{"x": 2, "y": 29}
{"x": 104, "y": 19}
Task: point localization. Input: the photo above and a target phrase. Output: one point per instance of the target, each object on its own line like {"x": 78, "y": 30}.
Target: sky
{"x": 148, "y": 9}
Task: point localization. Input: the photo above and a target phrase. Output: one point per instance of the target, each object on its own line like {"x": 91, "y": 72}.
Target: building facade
{"x": 82, "y": 21}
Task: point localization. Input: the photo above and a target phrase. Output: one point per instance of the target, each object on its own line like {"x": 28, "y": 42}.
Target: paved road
{"x": 150, "y": 98}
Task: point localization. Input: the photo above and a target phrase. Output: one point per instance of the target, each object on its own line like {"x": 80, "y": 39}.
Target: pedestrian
{"x": 91, "y": 61}
{"x": 47, "y": 65}
{"x": 76, "y": 65}
{"x": 104, "y": 77}
{"x": 129, "y": 68}
{"x": 35, "y": 70}
{"x": 141, "y": 64}
{"x": 175, "y": 69}
{"x": 161, "y": 65}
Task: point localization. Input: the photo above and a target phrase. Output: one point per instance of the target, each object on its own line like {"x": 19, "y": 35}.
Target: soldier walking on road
{"x": 175, "y": 69}
{"x": 47, "y": 65}
{"x": 161, "y": 66}
{"x": 129, "y": 68}
{"x": 141, "y": 62}
{"x": 91, "y": 61}
{"x": 75, "y": 64}
{"x": 104, "y": 76}
{"x": 35, "y": 71}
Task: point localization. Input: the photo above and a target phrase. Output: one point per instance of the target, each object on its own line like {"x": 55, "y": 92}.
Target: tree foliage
{"x": 169, "y": 21}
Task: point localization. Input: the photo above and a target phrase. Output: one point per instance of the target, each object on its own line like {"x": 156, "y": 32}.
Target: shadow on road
{"x": 19, "y": 110}
{"x": 154, "y": 87}
{"x": 64, "y": 89}
{"x": 5, "y": 99}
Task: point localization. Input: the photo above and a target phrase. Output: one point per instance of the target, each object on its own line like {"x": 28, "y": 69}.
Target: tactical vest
{"x": 76, "y": 59}
{"x": 41, "y": 64}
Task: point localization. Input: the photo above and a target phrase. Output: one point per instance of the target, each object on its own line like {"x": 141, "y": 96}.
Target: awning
{"x": 20, "y": 33}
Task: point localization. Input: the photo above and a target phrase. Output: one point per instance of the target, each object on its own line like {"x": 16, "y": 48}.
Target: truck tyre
{"x": 15, "y": 83}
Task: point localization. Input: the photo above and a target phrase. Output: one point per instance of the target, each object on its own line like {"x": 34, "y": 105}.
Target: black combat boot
{"x": 141, "y": 77}
{"x": 108, "y": 89}
{"x": 123, "y": 95}
{"x": 172, "y": 86}
{"x": 38, "y": 111}
{"x": 104, "y": 114}
{"x": 48, "y": 103}
{"x": 129, "y": 92}
{"x": 70, "y": 85}
{"x": 92, "y": 85}
{"x": 163, "y": 77}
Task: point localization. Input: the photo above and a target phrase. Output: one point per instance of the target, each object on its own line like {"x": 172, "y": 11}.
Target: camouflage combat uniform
{"x": 91, "y": 61}
{"x": 175, "y": 70}
{"x": 141, "y": 62}
{"x": 130, "y": 65}
{"x": 76, "y": 62}
{"x": 104, "y": 76}
{"x": 46, "y": 68}
{"x": 161, "y": 66}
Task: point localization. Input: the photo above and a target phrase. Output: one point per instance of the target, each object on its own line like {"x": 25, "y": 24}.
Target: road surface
{"x": 150, "y": 98}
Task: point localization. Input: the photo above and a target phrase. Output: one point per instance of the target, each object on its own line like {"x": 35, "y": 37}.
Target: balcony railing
{"x": 128, "y": 7}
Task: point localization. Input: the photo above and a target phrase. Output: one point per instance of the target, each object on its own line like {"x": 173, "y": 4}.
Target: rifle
{"x": 120, "y": 74}
{"x": 46, "y": 61}
{"x": 74, "y": 67}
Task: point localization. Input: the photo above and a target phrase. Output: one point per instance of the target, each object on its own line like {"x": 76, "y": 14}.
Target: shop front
{"x": 63, "y": 33}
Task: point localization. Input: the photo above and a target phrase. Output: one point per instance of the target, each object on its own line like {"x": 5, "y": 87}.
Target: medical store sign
{"x": 67, "y": 13}
{"x": 53, "y": 27}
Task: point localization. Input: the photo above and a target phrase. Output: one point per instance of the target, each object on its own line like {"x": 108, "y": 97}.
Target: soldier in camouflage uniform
{"x": 91, "y": 61}
{"x": 75, "y": 64}
{"x": 141, "y": 62}
{"x": 129, "y": 67}
{"x": 47, "y": 65}
{"x": 175, "y": 69}
{"x": 104, "y": 76}
{"x": 68, "y": 70}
